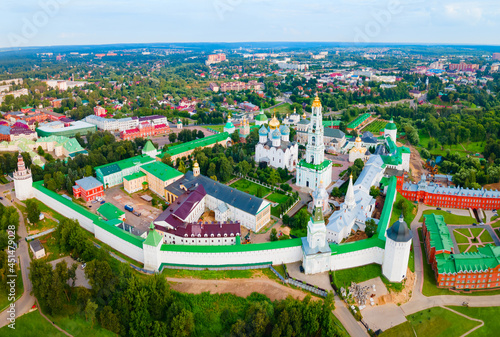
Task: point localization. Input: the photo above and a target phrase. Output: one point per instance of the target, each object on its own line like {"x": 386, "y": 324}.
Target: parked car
{"x": 102, "y": 202}
{"x": 1, "y": 198}
{"x": 84, "y": 265}
{"x": 438, "y": 209}
{"x": 136, "y": 213}
{"x": 301, "y": 269}
{"x": 94, "y": 201}
{"x": 474, "y": 224}
{"x": 90, "y": 206}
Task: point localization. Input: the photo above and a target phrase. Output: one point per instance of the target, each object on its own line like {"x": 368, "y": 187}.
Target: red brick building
{"x": 100, "y": 111}
{"x": 88, "y": 188}
{"x": 145, "y": 129}
{"x": 465, "y": 271}
{"x": 433, "y": 194}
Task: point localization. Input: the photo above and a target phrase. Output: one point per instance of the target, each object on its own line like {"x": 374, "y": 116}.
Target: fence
{"x": 298, "y": 283}
{"x": 34, "y": 236}
{"x": 124, "y": 261}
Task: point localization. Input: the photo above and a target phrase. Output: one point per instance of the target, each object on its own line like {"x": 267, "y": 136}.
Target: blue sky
{"x": 66, "y": 22}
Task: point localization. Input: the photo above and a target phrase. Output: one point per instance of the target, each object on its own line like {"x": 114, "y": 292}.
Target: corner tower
{"x": 397, "y": 251}
{"x": 23, "y": 181}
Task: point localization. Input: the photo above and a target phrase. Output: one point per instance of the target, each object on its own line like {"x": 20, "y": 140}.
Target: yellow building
{"x": 159, "y": 176}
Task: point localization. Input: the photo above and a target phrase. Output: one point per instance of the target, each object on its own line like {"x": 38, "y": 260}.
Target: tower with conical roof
{"x": 151, "y": 248}
{"x": 397, "y": 251}
{"x": 350, "y": 201}
{"x": 314, "y": 167}
{"x": 23, "y": 181}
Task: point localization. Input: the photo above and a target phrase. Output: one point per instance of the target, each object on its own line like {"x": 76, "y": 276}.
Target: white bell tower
{"x": 23, "y": 181}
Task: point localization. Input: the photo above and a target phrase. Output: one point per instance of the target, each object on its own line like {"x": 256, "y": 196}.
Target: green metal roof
{"x": 440, "y": 237}
{"x": 356, "y": 246}
{"x": 487, "y": 257}
{"x": 319, "y": 167}
{"x": 154, "y": 238}
{"x": 202, "y": 266}
{"x": 251, "y": 247}
{"x": 135, "y": 175}
{"x": 331, "y": 123}
{"x": 161, "y": 170}
{"x": 385, "y": 216}
{"x": 202, "y": 142}
{"x": 110, "y": 211}
{"x": 149, "y": 147}
{"x": 391, "y": 126}
{"x": 123, "y": 164}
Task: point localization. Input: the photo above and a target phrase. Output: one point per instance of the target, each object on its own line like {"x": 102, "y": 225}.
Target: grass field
{"x": 218, "y": 274}
{"x": 486, "y": 237}
{"x": 396, "y": 211}
{"x": 375, "y": 127}
{"x": 490, "y": 317}
{"x": 476, "y": 232}
{"x": 250, "y": 187}
{"x": 52, "y": 250}
{"x": 433, "y": 322}
{"x": 459, "y": 237}
{"x": 278, "y": 197}
{"x": 462, "y": 149}
{"x": 219, "y": 128}
{"x": 344, "y": 277}
{"x": 284, "y": 108}
{"x": 31, "y": 325}
{"x": 449, "y": 218}
{"x": 4, "y": 298}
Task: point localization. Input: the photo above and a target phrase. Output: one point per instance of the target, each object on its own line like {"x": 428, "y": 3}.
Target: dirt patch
{"x": 238, "y": 287}
{"x": 358, "y": 236}
{"x": 405, "y": 295}
{"x": 416, "y": 164}
{"x": 495, "y": 186}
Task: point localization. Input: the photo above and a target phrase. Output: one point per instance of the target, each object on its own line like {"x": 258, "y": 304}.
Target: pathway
{"x": 470, "y": 318}
{"x": 23, "y": 304}
{"x": 53, "y": 324}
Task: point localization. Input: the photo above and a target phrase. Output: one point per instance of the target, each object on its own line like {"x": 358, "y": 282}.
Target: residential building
{"x": 215, "y": 58}
{"x": 37, "y": 249}
{"x": 158, "y": 176}
{"x": 179, "y": 223}
{"x": 112, "y": 174}
{"x": 227, "y": 203}
{"x": 99, "y": 111}
{"x": 462, "y": 66}
{"x": 88, "y": 189}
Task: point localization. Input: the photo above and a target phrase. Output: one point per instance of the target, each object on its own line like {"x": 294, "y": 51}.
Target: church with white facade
{"x": 314, "y": 168}
{"x": 275, "y": 147}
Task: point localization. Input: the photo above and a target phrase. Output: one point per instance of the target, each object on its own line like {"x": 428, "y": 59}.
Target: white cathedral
{"x": 314, "y": 168}
{"x": 275, "y": 147}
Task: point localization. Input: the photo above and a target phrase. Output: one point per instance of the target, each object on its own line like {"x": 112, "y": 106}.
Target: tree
{"x": 183, "y": 324}
{"x": 211, "y": 170}
{"x": 374, "y": 191}
{"x": 172, "y": 137}
{"x": 371, "y": 228}
{"x": 109, "y": 320}
{"x": 274, "y": 177}
{"x": 235, "y": 136}
{"x": 244, "y": 167}
{"x": 33, "y": 210}
{"x": 182, "y": 167}
{"x": 90, "y": 310}
{"x": 336, "y": 193}
{"x": 274, "y": 235}
{"x": 226, "y": 170}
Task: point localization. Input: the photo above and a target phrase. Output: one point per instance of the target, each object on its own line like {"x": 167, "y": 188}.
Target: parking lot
{"x": 116, "y": 196}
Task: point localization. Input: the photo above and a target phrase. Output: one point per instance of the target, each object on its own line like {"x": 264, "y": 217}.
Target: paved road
{"x": 24, "y": 304}
{"x": 353, "y": 327}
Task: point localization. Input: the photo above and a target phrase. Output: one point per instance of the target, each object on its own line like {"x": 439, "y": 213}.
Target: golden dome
{"x": 196, "y": 165}
{"x": 294, "y": 110}
{"x": 274, "y": 123}
{"x": 317, "y": 102}
{"x": 358, "y": 139}
{"x": 304, "y": 115}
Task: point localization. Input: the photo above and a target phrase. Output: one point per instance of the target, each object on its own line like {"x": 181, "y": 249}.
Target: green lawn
{"x": 4, "y": 298}
{"x": 462, "y": 248}
{"x": 476, "y": 232}
{"x": 210, "y": 274}
{"x": 402, "y": 330}
{"x": 31, "y": 325}
{"x": 450, "y": 218}
{"x": 284, "y": 108}
{"x": 251, "y": 188}
{"x": 219, "y": 128}
{"x": 461, "y": 238}
{"x": 486, "y": 237}
{"x": 411, "y": 210}
{"x": 490, "y": 317}
{"x": 280, "y": 269}
{"x": 343, "y": 278}
{"x": 439, "y": 322}
{"x": 277, "y": 197}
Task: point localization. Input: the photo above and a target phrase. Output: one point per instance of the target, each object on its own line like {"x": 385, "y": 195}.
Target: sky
{"x": 83, "y": 22}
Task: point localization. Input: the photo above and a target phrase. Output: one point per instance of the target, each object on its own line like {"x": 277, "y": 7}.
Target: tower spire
{"x": 349, "y": 197}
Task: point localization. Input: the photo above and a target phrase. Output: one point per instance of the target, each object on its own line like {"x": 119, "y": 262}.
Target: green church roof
{"x": 391, "y": 125}
{"x": 261, "y": 117}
